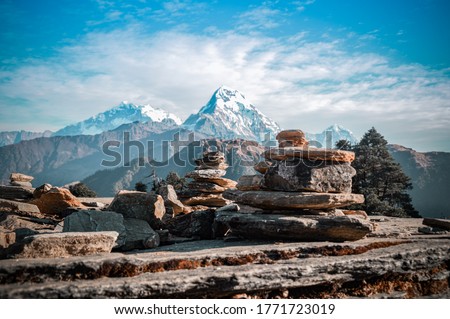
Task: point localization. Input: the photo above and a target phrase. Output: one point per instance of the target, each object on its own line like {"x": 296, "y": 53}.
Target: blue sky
{"x": 307, "y": 64}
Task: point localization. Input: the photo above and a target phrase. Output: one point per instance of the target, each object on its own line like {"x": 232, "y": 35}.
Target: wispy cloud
{"x": 258, "y": 18}
{"x": 298, "y": 82}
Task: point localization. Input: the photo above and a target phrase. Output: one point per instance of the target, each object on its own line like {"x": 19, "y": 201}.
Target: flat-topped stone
{"x": 206, "y": 187}
{"x": 15, "y": 192}
{"x": 224, "y": 182}
{"x": 299, "y": 228}
{"x": 293, "y": 200}
{"x": 213, "y": 200}
{"x": 288, "y": 138}
{"x": 312, "y": 154}
{"x": 206, "y": 173}
{"x": 18, "y": 177}
{"x": 64, "y": 245}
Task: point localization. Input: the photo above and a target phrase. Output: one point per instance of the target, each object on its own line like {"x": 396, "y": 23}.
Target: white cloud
{"x": 300, "y": 84}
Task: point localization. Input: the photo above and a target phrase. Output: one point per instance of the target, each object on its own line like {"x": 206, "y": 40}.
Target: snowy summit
{"x": 229, "y": 115}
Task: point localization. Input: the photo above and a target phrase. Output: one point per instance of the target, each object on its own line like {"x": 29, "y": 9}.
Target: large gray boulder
{"x": 140, "y": 205}
{"x": 296, "y": 228}
{"x": 290, "y": 200}
{"x": 298, "y": 175}
{"x": 96, "y": 221}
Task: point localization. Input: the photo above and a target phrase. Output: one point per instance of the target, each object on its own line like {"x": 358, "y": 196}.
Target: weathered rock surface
{"x": 44, "y": 188}
{"x": 171, "y": 199}
{"x": 312, "y": 154}
{"x": 18, "y": 177}
{"x": 22, "y": 184}
{"x": 206, "y": 173}
{"x": 56, "y": 200}
{"x": 249, "y": 182}
{"x": 96, "y": 221}
{"x": 224, "y": 182}
{"x": 368, "y": 268}
{"x": 196, "y": 224}
{"x": 295, "y": 228}
{"x": 262, "y": 167}
{"x": 439, "y": 223}
{"x": 15, "y": 192}
{"x": 289, "y": 138}
{"x": 63, "y": 245}
{"x": 6, "y": 239}
{"x": 9, "y": 206}
{"x": 14, "y": 222}
{"x": 229, "y": 208}
{"x": 298, "y": 175}
{"x": 206, "y": 187}
{"x": 211, "y": 200}
{"x": 139, "y": 205}
{"x": 288, "y": 200}
{"x": 139, "y": 235}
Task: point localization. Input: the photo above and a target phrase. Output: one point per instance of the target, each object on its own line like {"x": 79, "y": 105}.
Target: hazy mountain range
{"x": 103, "y": 150}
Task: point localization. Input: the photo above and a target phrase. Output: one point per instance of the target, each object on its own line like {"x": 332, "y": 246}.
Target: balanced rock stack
{"x": 298, "y": 195}
{"x": 17, "y": 179}
{"x": 208, "y": 184}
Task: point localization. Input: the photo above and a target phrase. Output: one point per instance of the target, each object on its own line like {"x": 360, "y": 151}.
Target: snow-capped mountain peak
{"x": 330, "y": 136}
{"x": 123, "y": 113}
{"x": 229, "y": 115}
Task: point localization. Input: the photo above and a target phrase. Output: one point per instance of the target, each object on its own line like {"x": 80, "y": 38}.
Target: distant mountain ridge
{"x": 124, "y": 113}
{"x": 13, "y": 137}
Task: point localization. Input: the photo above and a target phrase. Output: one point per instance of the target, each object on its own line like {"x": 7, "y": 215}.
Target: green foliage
{"x": 140, "y": 187}
{"x": 381, "y": 179}
{"x": 344, "y": 145}
{"x": 81, "y": 190}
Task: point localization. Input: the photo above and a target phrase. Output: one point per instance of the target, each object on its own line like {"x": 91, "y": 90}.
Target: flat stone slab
{"x": 293, "y": 200}
{"x": 436, "y": 222}
{"x": 295, "y": 228}
{"x": 210, "y": 200}
{"x": 18, "y": 177}
{"x": 58, "y": 245}
{"x": 10, "y": 206}
{"x": 313, "y": 154}
{"x": 15, "y": 192}
{"x": 214, "y": 268}
{"x": 224, "y": 182}
{"x": 206, "y": 173}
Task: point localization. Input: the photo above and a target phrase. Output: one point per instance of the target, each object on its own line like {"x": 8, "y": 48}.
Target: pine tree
{"x": 344, "y": 145}
{"x": 380, "y": 179}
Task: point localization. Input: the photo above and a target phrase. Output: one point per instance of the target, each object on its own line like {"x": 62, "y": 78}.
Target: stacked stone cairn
{"x": 298, "y": 195}
{"x": 209, "y": 184}
{"x": 22, "y": 180}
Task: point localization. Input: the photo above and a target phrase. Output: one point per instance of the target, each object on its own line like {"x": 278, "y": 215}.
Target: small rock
{"x": 56, "y": 200}
{"x": 229, "y": 208}
{"x": 95, "y": 221}
{"x": 7, "y": 239}
{"x": 262, "y": 167}
{"x": 249, "y": 182}
{"x": 224, "y": 182}
{"x": 196, "y": 224}
{"x": 21, "y": 184}
{"x": 206, "y": 187}
{"x": 210, "y": 200}
{"x": 18, "y": 177}
{"x": 206, "y": 173}
{"x": 63, "y": 245}
{"x": 140, "y": 205}
{"x": 171, "y": 199}
{"x": 44, "y": 188}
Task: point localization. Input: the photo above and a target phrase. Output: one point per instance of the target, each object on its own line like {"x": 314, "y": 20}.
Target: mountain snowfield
{"x": 229, "y": 115}
{"x": 124, "y": 113}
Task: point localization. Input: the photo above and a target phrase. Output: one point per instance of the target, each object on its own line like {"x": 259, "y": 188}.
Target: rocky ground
{"x": 396, "y": 261}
